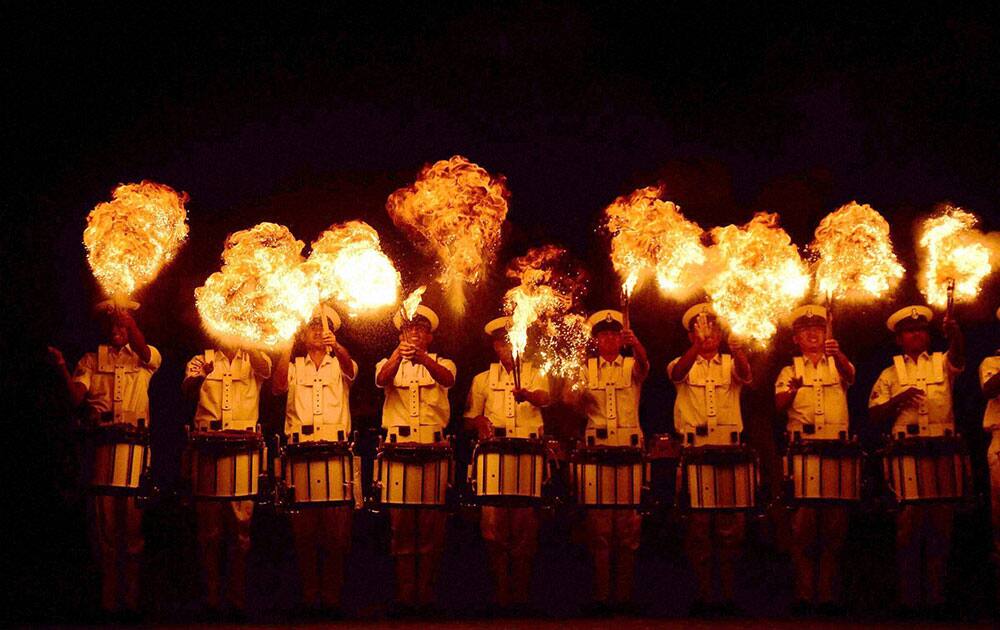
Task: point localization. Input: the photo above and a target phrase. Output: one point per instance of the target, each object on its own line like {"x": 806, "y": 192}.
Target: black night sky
{"x": 307, "y": 117}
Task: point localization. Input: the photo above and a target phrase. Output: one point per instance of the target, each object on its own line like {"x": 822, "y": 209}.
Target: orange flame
{"x": 130, "y": 238}
{"x": 412, "y": 301}
{"x": 454, "y": 212}
{"x": 649, "y": 235}
{"x": 264, "y": 291}
{"x": 758, "y": 276}
{"x": 951, "y": 249}
{"x": 855, "y": 261}
{"x": 550, "y": 285}
{"x": 351, "y": 268}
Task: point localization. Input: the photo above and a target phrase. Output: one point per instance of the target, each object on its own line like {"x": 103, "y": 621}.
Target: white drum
{"x": 320, "y": 473}
{"x": 608, "y": 476}
{"x": 411, "y": 474}
{"x": 719, "y": 477}
{"x": 118, "y": 456}
{"x": 225, "y": 465}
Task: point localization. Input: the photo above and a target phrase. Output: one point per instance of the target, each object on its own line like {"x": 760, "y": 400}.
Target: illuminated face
{"x": 115, "y": 333}
{"x": 502, "y": 348}
{"x": 913, "y": 339}
{"x": 417, "y": 332}
{"x": 810, "y": 338}
{"x": 609, "y": 342}
{"x": 312, "y": 336}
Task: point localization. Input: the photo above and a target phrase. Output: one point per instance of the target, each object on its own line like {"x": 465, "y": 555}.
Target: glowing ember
{"x": 351, "y": 268}
{"x": 951, "y": 249}
{"x": 412, "y": 301}
{"x": 550, "y": 286}
{"x": 453, "y": 212}
{"x": 855, "y": 261}
{"x": 649, "y": 235}
{"x": 757, "y": 276}
{"x": 263, "y": 293}
{"x": 130, "y": 238}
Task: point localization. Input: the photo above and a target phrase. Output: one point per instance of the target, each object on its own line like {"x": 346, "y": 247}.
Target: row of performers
{"x": 912, "y": 399}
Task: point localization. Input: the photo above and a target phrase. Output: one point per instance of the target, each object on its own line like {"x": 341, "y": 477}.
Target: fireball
{"x": 951, "y": 249}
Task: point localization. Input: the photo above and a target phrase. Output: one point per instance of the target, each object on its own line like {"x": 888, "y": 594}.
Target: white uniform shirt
{"x": 709, "y": 396}
{"x": 821, "y": 401}
{"x": 414, "y": 399}
{"x": 931, "y": 373}
{"x": 231, "y": 393}
{"x": 117, "y": 382}
{"x": 491, "y": 396}
{"x": 989, "y": 367}
{"x": 318, "y": 397}
{"x": 611, "y": 392}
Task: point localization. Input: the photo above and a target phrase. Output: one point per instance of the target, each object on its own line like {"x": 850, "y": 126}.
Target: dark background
{"x": 309, "y": 117}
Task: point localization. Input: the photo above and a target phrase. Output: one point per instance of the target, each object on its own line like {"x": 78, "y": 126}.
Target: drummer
{"x": 318, "y": 384}
{"x": 707, "y": 412}
{"x": 989, "y": 380}
{"x": 497, "y": 408}
{"x": 112, "y": 385}
{"x": 611, "y": 385}
{"x": 416, "y": 410}
{"x": 914, "y": 398}
{"x": 813, "y": 392}
{"x": 226, "y": 383}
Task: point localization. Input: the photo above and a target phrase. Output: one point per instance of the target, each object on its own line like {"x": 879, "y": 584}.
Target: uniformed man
{"x": 497, "y": 408}
{"x": 112, "y": 385}
{"x": 813, "y": 392}
{"x": 913, "y": 397}
{"x": 226, "y": 382}
{"x": 989, "y": 380}
{"x": 416, "y": 409}
{"x": 611, "y": 385}
{"x": 707, "y": 412}
{"x": 318, "y": 409}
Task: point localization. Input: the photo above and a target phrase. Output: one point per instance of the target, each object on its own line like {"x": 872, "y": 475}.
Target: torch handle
{"x": 326, "y": 328}
{"x": 625, "y": 317}
{"x": 829, "y": 316}
{"x": 951, "y": 297}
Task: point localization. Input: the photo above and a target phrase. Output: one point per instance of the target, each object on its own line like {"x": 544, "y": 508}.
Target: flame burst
{"x": 453, "y": 212}
{"x": 649, "y": 235}
{"x": 412, "y": 301}
{"x": 951, "y": 249}
{"x": 351, "y": 268}
{"x": 264, "y": 291}
{"x": 855, "y": 261}
{"x": 130, "y": 238}
{"x": 550, "y": 286}
{"x": 757, "y": 276}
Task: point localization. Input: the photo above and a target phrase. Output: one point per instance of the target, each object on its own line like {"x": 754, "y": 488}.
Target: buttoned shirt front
{"x": 708, "y": 396}
{"x": 491, "y": 395}
{"x": 820, "y": 402}
{"x": 989, "y": 367}
{"x": 932, "y": 374}
{"x": 611, "y": 393}
{"x": 230, "y": 395}
{"x": 117, "y": 383}
{"x": 414, "y": 399}
{"x": 318, "y": 397}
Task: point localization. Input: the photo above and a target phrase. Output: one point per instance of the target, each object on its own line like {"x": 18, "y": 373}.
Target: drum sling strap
{"x": 610, "y": 384}
{"x": 227, "y": 376}
{"x": 317, "y": 384}
{"x": 117, "y": 368}
{"x": 704, "y": 378}
{"x": 920, "y": 376}
{"x": 412, "y": 377}
{"x": 817, "y": 378}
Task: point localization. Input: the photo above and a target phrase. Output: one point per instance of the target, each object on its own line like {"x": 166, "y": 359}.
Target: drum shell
{"x": 319, "y": 473}
{"x": 414, "y": 475}
{"x": 824, "y": 471}
{"x": 608, "y": 476}
{"x": 117, "y": 457}
{"x": 225, "y": 465}
{"x": 719, "y": 477}
{"x": 927, "y": 470}
{"x": 509, "y": 471}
